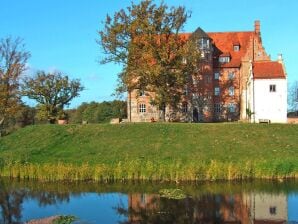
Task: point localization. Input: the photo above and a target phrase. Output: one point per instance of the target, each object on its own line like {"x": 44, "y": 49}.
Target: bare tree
{"x": 293, "y": 97}
{"x": 13, "y": 58}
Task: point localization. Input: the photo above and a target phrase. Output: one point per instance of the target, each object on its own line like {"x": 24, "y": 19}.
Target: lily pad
{"x": 172, "y": 193}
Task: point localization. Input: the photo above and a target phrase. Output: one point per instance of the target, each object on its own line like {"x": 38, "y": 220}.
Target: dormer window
{"x": 236, "y": 47}
{"x": 203, "y": 43}
{"x": 224, "y": 59}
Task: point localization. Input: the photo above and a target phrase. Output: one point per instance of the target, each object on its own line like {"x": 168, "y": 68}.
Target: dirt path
{"x": 48, "y": 220}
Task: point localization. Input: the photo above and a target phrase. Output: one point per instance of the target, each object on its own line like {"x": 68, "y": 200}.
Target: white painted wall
{"x": 270, "y": 105}
{"x": 263, "y": 203}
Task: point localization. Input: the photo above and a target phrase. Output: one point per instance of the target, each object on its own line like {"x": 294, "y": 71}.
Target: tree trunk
{"x": 1, "y": 126}
{"x": 52, "y": 120}
{"x": 163, "y": 115}
{"x": 1, "y": 121}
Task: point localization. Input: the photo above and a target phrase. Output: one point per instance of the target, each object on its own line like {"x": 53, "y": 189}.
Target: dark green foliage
{"x": 99, "y": 112}
{"x": 65, "y": 219}
{"x": 23, "y": 117}
{"x": 52, "y": 91}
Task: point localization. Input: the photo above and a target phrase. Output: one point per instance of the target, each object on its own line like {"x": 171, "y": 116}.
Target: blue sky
{"x": 61, "y": 34}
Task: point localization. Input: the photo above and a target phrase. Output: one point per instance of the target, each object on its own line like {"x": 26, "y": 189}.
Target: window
{"x": 142, "y": 108}
{"x": 272, "y": 210}
{"x": 184, "y": 107}
{"x": 236, "y": 47}
{"x": 231, "y": 91}
{"x": 207, "y": 79}
{"x": 216, "y": 75}
{"x": 203, "y": 43}
{"x": 231, "y": 75}
{"x": 216, "y": 91}
{"x": 217, "y": 108}
{"x": 194, "y": 80}
{"x": 142, "y": 93}
{"x": 224, "y": 59}
{"x": 232, "y": 108}
{"x": 185, "y": 91}
{"x": 209, "y": 95}
{"x": 143, "y": 198}
{"x": 202, "y": 54}
{"x": 272, "y": 88}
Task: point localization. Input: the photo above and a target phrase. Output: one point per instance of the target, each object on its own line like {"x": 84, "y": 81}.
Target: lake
{"x": 206, "y": 202}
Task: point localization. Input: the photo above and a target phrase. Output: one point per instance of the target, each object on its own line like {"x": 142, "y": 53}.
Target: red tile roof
{"x": 268, "y": 70}
{"x": 224, "y": 42}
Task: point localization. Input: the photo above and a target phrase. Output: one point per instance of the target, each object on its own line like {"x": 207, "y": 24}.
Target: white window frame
{"x": 142, "y": 108}
{"x": 216, "y": 91}
{"x": 216, "y": 75}
{"x": 236, "y": 47}
{"x": 232, "y": 107}
{"x": 231, "y": 91}
{"x": 224, "y": 59}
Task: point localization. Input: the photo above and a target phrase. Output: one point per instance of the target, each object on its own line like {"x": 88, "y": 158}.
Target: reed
{"x": 140, "y": 170}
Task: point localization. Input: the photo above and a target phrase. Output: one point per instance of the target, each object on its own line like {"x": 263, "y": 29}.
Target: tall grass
{"x": 149, "y": 171}
{"x": 157, "y": 152}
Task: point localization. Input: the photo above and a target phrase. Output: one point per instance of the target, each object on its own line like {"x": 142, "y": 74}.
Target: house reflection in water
{"x": 251, "y": 208}
{"x": 268, "y": 208}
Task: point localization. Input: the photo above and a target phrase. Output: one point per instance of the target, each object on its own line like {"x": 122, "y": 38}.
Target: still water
{"x": 249, "y": 202}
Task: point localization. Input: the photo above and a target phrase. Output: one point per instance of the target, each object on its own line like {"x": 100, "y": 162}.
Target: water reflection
{"x": 251, "y": 203}
{"x": 254, "y": 208}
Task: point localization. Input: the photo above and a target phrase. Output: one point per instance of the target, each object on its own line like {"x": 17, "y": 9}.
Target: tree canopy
{"x": 52, "y": 91}
{"x": 94, "y": 112}
{"x": 145, "y": 38}
{"x": 13, "y": 59}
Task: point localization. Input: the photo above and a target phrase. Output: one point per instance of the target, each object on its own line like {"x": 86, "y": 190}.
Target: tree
{"x": 52, "y": 91}
{"x": 13, "y": 59}
{"x": 293, "y": 97}
{"x": 145, "y": 39}
{"x": 99, "y": 112}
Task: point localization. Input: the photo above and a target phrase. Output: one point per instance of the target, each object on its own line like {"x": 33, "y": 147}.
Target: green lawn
{"x": 159, "y": 150}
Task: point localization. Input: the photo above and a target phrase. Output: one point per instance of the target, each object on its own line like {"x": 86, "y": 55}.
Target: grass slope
{"x": 154, "y": 151}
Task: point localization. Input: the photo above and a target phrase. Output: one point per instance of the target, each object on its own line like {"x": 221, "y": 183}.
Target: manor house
{"x": 237, "y": 80}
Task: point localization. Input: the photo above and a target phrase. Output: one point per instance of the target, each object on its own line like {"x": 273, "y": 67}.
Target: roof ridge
{"x": 230, "y": 32}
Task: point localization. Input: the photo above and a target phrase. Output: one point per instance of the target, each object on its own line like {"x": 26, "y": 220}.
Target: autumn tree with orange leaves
{"x": 13, "y": 58}
{"x": 145, "y": 39}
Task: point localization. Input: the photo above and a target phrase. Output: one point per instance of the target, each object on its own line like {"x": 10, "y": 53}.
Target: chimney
{"x": 279, "y": 58}
{"x": 257, "y": 27}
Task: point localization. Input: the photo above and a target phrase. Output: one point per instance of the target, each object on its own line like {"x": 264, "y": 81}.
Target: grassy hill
{"x": 151, "y": 151}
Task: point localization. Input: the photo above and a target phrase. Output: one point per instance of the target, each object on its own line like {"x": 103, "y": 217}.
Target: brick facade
{"x": 218, "y": 92}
